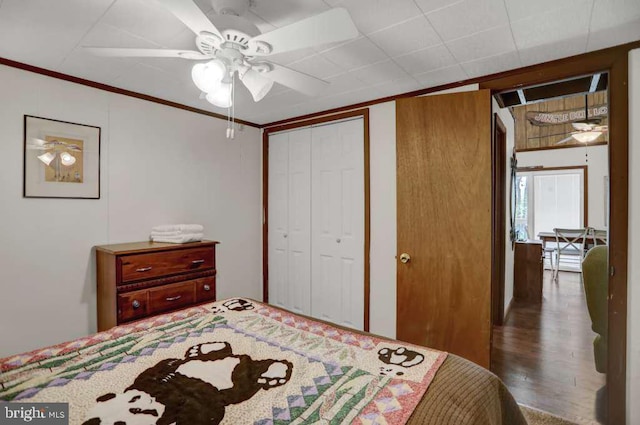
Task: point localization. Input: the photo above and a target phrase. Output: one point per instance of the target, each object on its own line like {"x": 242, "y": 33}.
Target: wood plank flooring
{"x": 544, "y": 353}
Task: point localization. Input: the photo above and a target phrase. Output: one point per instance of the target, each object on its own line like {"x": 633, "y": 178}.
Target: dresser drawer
{"x": 133, "y": 305}
{"x": 172, "y": 297}
{"x": 144, "y": 266}
{"x": 205, "y": 289}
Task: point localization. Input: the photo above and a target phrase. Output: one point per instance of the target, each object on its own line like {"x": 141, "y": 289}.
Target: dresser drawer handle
{"x": 135, "y": 304}
{"x": 143, "y": 269}
{"x": 207, "y": 287}
{"x": 197, "y": 262}
{"x": 176, "y": 298}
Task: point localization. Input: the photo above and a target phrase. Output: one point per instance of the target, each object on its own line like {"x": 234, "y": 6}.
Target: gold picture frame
{"x": 61, "y": 159}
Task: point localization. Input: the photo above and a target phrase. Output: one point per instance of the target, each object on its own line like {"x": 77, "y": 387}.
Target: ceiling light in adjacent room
{"x": 221, "y": 97}
{"x": 587, "y": 136}
{"x": 208, "y": 76}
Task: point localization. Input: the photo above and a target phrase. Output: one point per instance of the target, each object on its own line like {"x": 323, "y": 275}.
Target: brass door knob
{"x": 405, "y": 258}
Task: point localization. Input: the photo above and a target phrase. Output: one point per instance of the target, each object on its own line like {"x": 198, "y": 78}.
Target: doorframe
{"x": 499, "y": 218}
{"x": 266, "y": 131}
{"x": 615, "y": 62}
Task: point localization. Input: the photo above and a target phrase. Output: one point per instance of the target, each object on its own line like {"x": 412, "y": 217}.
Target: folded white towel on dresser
{"x": 184, "y": 238}
{"x": 184, "y": 228}
{"x": 175, "y": 233}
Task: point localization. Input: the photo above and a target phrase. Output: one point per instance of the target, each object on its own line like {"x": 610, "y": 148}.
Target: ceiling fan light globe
{"x": 587, "y": 136}
{"x": 47, "y": 157}
{"x": 208, "y": 76}
{"x": 257, "y": 84}
{"x": 220, "y": 97}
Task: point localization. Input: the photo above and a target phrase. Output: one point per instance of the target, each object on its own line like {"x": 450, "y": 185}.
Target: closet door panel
{"x": 337, "y": 187}
{"x": 278, "y": 220}
{"x": 299, "y": 234}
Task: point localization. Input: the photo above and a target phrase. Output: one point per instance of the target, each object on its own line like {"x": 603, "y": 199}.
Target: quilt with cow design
{"x": 231, "y": 362}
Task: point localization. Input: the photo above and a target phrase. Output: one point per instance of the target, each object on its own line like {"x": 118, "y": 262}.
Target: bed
{"x": 239, "y": 361}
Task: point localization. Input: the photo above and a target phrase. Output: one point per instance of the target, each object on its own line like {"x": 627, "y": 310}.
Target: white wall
{"x": 158, "y": 165}
{"x": 509, "y": 123}
{"x": 633, "y": 298}
{"x": 383, "y": 239}
{"x": 598, "y": 168}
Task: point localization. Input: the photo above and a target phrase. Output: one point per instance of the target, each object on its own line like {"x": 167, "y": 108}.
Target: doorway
{"x": 544, "y": 349}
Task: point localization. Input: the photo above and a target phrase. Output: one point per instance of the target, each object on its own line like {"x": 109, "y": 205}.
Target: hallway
{"x": 544, "y": 353}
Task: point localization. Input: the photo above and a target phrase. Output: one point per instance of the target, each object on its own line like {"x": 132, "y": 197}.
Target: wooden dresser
{"x": 528, "y": 271}
{"x": 142, "y": 279}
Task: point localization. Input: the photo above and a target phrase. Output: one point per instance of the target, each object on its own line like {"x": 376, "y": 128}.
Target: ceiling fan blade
{"x": 565, "y": 140}
{"x": 190, "y": 15}
{"x": 327, "y": 27}
{"x": 145, "y": 53}
{"x": 296, "y": 80}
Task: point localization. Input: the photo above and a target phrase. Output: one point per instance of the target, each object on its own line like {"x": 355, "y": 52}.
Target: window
{"x": 547, "y": 199}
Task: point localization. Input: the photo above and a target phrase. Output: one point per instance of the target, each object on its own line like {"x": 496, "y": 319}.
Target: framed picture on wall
{"x": 61, "y": 159}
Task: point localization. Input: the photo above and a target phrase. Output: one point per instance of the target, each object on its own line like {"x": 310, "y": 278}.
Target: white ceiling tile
{"x": 613, "y": 13}
{"x": 492, "y": 65}
{"x": 519, "y": 9}
{"x": 426, "y": 59}
{"x": 560, "y": 49}
{"x": 437, "y": 77}
{"x": 374, "y": 15}
{"x": 621, "y": 34}
{"x": 468, "y": 17}
{"x": 433, "y": 5}
{"x": 392, "y": 88}
{"x": 550, "y": 27}
{"x": 284, "y": 12}
{"x": 316, "y": 66}
{"x": 355, "y": 54}
{"x": 408, "y": 36}
{"x": 380, "y": 72}
{"x": 96, "y": 68}
{"x": 486, "y": 43}
{"x": 145, "y": 19}
{"x": 43, "y": 33}
{"x": 103, "y": 35}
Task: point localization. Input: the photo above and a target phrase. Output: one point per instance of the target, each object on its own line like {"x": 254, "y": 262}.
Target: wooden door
{"x": 444, "y": 223}
{"x": 337, "y": 186}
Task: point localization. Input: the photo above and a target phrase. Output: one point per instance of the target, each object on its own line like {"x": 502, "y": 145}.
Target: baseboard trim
{"x": 507, "y": 311}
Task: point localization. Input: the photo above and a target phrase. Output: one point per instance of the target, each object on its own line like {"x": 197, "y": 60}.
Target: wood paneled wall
{"x": 533, "y": 137}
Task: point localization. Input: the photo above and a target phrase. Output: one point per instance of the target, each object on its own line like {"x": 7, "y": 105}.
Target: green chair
{"x": 595, "y": 277}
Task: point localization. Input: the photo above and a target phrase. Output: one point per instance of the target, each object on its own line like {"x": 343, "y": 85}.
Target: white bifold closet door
{"x": 316, "y": 222}
{"x": 337, "y": 223}
{"x": 289, "y": 226}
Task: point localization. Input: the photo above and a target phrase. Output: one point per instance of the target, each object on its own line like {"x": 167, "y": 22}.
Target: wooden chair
{"x": 570, "y": 242}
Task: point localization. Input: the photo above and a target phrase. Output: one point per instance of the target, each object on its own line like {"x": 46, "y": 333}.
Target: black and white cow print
{"x": 235, "y": 304}
{"x": 190, "y": 391}
{"x": 397, "y": 361}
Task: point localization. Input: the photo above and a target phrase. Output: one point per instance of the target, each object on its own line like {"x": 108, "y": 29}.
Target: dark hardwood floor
{"x": 544, "y": 353}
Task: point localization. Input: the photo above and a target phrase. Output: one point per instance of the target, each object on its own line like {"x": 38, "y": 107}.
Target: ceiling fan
{"x": 232, "y": 44}
{"x": 586, "y": 130}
